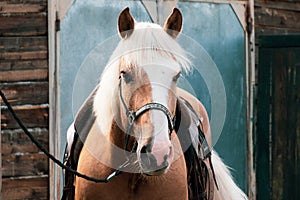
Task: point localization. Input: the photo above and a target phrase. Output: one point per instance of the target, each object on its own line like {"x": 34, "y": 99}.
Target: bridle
{"x": 134, "y": 115}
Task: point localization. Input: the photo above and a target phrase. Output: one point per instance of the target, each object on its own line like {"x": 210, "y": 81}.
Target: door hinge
{"x": 249, "y": 19}
{"x": 57, "y": 22}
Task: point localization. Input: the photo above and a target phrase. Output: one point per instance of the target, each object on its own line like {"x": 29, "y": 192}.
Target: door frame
{"x": 57, "y": 10}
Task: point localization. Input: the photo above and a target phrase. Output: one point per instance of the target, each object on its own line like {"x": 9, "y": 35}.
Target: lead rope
{"x": 55, "y": 160}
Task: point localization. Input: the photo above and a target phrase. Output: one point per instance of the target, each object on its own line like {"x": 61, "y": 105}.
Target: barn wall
{"x": 24, "y": 80}
{"x": 274, "y": 17}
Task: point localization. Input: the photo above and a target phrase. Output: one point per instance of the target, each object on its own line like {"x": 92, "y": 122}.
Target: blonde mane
{"x": 147, "y": 44}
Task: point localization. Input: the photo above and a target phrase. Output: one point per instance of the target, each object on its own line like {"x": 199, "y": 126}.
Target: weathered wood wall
{"x": 24, "y": 80}
{"x": 273, "y": 17}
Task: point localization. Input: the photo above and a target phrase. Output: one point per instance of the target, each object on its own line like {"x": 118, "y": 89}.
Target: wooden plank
{"x": 295, "y": 142}
{"x": 279, "y": 41}
{"x": 291, "y": 177}
{"x": 32, "y": 2}
{"x": 24, "y": 164}
{"x": 21, "y": 44}
{"x": 8, "y": 7}
{"x": 25, "y": 188}
{"x": 280, "y": 5}
{"x": 24, "y": 75}
{"x": 279, "y": 123}
{"x": 297, "y": 149}
{"x": 31, "y": 115}
{"x": 263, "y": 128}
{"x": 15, "y": 141}
{"x": 31, "y": 24}
{"x": 276, "y": 32}
{"x": 24, "y": 55}
{"x": 26, "y": 93}
{"x": 274, "y": 18}
{"x": 263, "y": 30}
{"x": 12, "y": 65}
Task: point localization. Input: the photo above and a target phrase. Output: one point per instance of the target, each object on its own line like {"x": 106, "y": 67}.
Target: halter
{"x": 133, "y": 115}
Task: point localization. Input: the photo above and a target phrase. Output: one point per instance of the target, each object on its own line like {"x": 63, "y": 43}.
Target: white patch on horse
{"x": 161, "y": 77}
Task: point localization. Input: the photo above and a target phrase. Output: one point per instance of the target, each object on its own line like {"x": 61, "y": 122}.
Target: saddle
{"x": 188, "y": 126}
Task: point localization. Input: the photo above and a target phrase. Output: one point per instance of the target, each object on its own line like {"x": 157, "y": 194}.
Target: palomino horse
{"x": 132, "y": 122}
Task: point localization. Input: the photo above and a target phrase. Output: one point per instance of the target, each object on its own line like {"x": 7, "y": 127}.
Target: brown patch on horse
{"x": 136, "y": 95}
{"x": 140, "y": 97}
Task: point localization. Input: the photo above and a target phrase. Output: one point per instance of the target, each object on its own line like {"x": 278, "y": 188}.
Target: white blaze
{"x": 161, "y": 78}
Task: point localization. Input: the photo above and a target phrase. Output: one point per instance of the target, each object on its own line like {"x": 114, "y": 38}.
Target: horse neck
{"x": 116, "y": 135}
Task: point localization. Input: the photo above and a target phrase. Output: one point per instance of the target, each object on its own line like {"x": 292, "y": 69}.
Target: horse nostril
{"x": 148, "y": 160}
{"x": 143, "y": 150}
{"x": 146, "y": 149}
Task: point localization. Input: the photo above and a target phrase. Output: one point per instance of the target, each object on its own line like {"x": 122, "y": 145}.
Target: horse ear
{"x": 125, "y": 23}
{"x": 174, "y": 23}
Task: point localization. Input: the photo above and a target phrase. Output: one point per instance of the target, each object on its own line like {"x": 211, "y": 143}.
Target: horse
{"x": 132, "y": 120}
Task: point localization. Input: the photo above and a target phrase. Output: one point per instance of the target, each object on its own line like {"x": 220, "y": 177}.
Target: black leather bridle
{"x": 133, "y": 115}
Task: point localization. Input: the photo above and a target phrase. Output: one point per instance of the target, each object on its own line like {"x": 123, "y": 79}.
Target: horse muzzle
{"x": 154, "y": 163}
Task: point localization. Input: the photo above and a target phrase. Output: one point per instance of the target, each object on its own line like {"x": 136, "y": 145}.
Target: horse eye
{"x": 175, "y": 78}
{"x": 127, "y": 77}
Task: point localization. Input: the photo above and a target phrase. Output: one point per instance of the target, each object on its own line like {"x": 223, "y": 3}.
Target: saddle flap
{"x": 187, "y": 126}
{"x": 85, "y": 117}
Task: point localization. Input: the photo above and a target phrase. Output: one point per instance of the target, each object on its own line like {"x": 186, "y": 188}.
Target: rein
{"x": 131, "y": 118}
{"x": 55, "y": 160}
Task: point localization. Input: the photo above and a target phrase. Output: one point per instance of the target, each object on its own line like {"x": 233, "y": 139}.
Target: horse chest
{"x": 132, "y": 187}
{"x": 126, "y": 186}
{"x": 162, "y": 187}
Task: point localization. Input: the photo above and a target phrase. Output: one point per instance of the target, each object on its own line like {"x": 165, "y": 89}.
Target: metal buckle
{"x": 131, "y": 117}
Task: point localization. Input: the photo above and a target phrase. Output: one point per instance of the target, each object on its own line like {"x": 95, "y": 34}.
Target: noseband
{"x": 133, "y": 115}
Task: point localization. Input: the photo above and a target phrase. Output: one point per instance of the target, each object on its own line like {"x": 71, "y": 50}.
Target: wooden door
{"x": 278, "y": 120}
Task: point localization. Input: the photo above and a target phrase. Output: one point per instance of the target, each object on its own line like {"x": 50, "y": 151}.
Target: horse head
{"x": 150, "y": 63}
